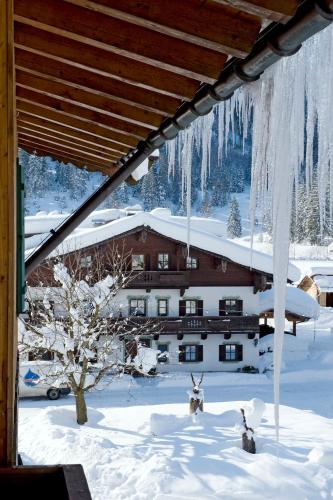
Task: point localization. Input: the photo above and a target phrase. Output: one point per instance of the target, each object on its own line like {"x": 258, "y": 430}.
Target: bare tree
{"x": 76, "y": 317}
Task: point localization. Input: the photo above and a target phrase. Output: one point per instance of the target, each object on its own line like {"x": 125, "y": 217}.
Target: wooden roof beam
{"x": 64, "y": 150}
{"x": 273, "y": 10}
{"x": 84, "y": 114}
{"x": 80, "y": 160}
{"x": 206, "y": 24}
{"x": 133, "y": 42}
{"x": 88, "y": 100}
{"x": 36, "y": 131}
{"x": 75, "y": 123}
{"x": 85, "y": 137}
{"x": 100, "y": 62}
{"x": 101, "y": 85}
{"x": 53, "y": 139}
{"x": 77, "y": 163}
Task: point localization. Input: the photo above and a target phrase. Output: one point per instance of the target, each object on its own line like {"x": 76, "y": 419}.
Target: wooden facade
{"x": 212, "y": 269}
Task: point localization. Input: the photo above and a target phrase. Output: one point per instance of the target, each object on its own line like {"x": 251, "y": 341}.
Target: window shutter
{"x": 200, "y": 353}
{"x": 240, "y": 307}
{"x": 221, "y": 307}
{"x": 147, "y": 262}
{"x": 200, "y": 307}
{"x": 181, "y": 353}
{"x": 221, "y": 352}
{"x": 182, "y": 308}
{"x": 239, "y": 352}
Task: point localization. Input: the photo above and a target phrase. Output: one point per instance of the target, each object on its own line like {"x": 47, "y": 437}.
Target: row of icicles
{"x": 288, "y": 112}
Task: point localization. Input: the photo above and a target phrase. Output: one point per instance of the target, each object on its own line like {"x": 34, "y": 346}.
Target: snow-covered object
{"x": 325, "y": 283}
{"x": 146, "y": 359}
{"x": 322, "y": 456}
{"x": 297, "y": 302}
{"x": 199, "y": 394}
{"x": 141, "y": 170}
{"x": 43, "y": 222}
{"x": 254, "y": 411}
{"x": 178, "y": 231}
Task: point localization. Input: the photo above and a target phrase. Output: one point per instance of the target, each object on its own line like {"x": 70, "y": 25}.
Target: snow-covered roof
{"x": 297, "y": 302}
{"x": 201, "y": 236}
{"x": 325, "y": 283}
{"x": 43, "y": 222}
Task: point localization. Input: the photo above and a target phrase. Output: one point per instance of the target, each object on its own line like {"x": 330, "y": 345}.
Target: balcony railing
{"x": 203, "y": 324}
{"x": 160, "y": 279}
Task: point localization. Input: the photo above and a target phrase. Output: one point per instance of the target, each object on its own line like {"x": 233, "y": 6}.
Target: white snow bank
{"x": 202, "y": 239}
{"x": 297, "y": 302}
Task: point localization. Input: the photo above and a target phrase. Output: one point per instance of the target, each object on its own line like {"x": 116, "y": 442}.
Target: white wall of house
{"x": 209, "y": 294}
{"x": 210, "y": 353}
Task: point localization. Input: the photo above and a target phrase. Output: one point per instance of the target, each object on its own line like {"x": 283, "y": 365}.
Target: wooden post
{"x": 8, "y": 321}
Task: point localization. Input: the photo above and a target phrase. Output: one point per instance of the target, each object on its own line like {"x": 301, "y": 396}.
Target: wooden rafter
{"x": 101, "y": 85}
{"x": 88, "y": 100}
{"x": 86, "y": 137}
{"x": 75, "y": 123}
{"x": 274, "y": 10}
{"x": 205, "y": 24}
{"x": 62, "y": 49}
{"x": 40, "y": 150}
{"x": 118, "y": 37}
{"x": 67, "y": 145}
{"x": 35, "y": 131}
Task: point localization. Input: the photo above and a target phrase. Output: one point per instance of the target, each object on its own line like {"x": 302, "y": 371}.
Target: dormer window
{"x": 191, "y": 263}
{"x": 163, "y": 261}
{"x": 138, "y": 262}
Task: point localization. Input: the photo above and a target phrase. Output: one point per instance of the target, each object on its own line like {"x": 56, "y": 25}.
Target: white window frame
{"x": 163, "y": 262}
{"x": 138, "y": 262}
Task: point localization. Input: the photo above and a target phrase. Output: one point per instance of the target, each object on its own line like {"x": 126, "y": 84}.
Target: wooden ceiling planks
{"x": 96, "y": 76}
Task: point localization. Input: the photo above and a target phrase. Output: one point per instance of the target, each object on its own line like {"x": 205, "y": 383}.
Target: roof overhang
{"x": 172, "y": 55}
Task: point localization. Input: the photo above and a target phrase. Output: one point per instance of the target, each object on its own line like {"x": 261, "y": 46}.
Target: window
{"x": 163, "y": 261}
{"x": 162, "y": 307}
{"x": 231, "y": 352}
{"x": 231, "y": 307}
{"x": 137, "y": 307}
{"x": 190, "y": 307}
{"x": 191, "y": 263}
{"x": 163, "y": 356}
{"x": 41, "y": 355}
{"x": 145, "y": 342}
{"x": 85, "y": 261}
{"x": 190, "y": 353}
{"x": 138, "y": 262}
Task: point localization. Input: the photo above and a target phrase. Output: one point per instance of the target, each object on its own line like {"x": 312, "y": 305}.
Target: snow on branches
{"x": 79, "y": 325}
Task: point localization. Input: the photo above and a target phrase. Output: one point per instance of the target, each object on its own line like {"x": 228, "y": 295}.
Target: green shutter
{"x": 20, "y": 265}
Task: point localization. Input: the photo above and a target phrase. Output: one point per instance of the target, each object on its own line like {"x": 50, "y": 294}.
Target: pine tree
{"x": 234, "y": 220}
{"x": 312, "y": 218}
{"x": 149, "y": 191}
{"x": 206, "y": 208}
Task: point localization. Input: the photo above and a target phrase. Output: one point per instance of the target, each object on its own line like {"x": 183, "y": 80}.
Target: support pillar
{"x": 8, "y": 320}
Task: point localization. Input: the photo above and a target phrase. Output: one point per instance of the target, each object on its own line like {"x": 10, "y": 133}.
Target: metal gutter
{"x": 275, "y": 42}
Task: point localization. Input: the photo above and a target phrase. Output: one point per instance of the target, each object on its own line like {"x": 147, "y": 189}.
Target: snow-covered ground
{"x": 141, "y": 444}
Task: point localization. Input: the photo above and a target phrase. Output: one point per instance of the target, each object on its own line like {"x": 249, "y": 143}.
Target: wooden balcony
{"x": 160, "y": 279}
{"x": 204, "y": 324}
